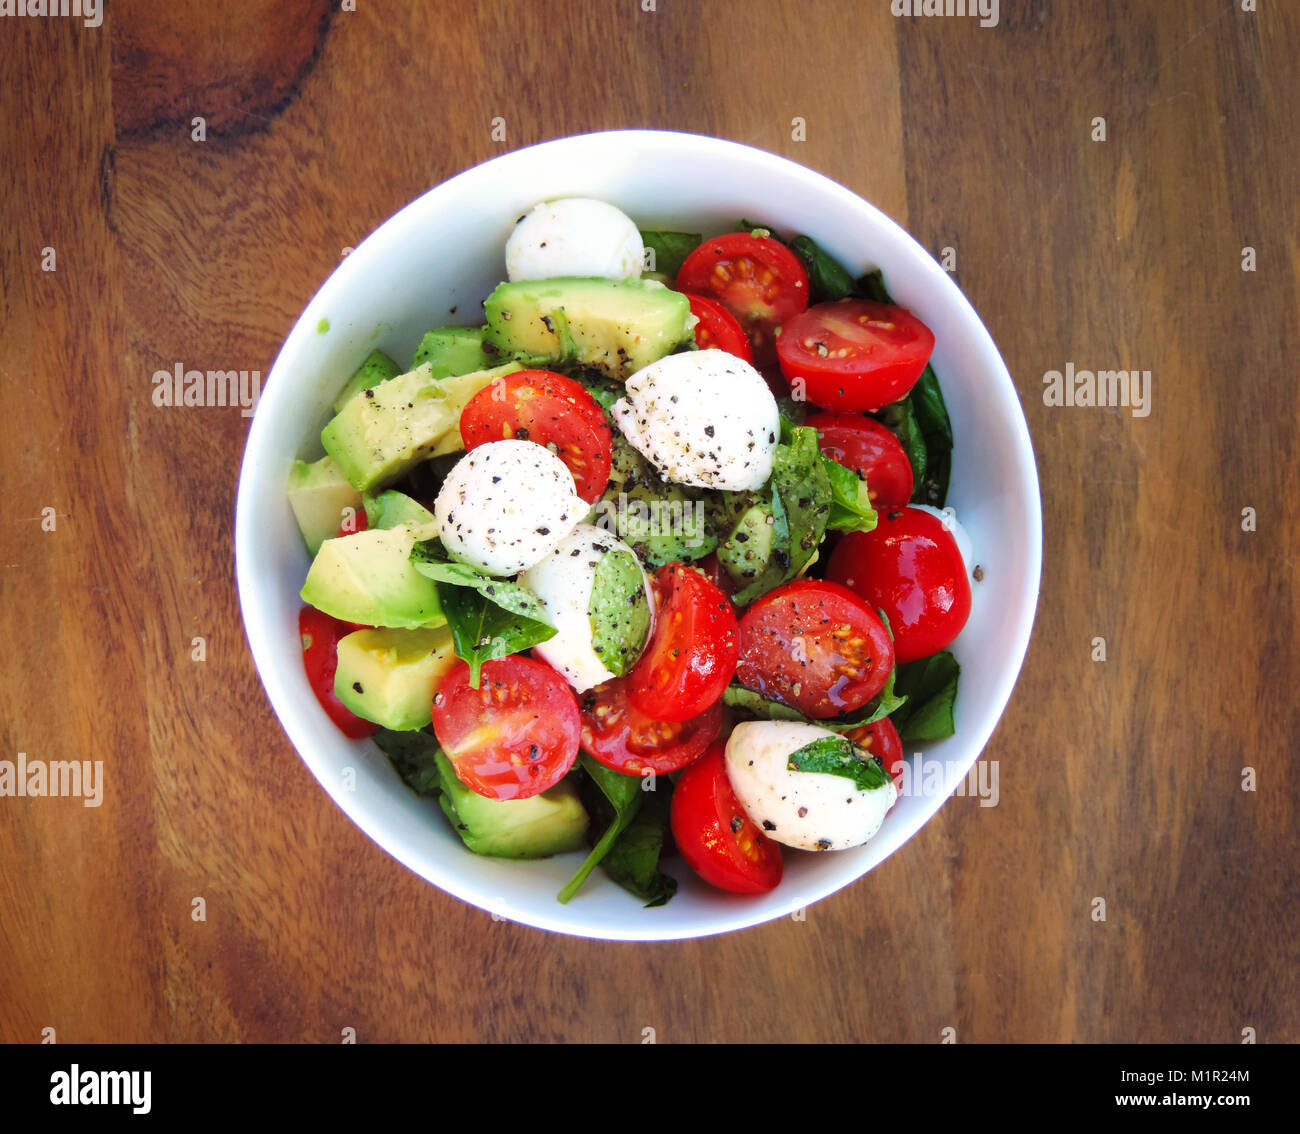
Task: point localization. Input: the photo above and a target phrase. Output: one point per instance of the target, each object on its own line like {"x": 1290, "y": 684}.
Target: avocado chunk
{"x": 383, "y": 431}
{"x": 378, "y": 367}
{"x": 454, "y": 350}
{"x": 320, "y": 496}
{"x": 745, "y": 551}
{"x": 460, "y": 389}
{"x": 368, "y": 578}
{"x": 390, "y": 676}
{"x": 551, "y": 822}
{"x": 616, "y": 326}
{"x": 389, "y": 509}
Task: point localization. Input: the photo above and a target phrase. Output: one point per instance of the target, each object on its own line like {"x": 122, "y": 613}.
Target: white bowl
{"x": 445, "y": 251}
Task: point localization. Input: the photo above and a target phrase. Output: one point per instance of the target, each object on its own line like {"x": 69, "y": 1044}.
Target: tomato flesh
{"x": 911, "y": 568}
{"x": 617, "y": 734}
{"x": 717, "y": 328}
{"x": 692, "y": 653}
{"x": 717, "y": 839}
{"x": 320, "y": 636}
{"x": 514, "y": 736}
{"x": 881, "y": 739}
{"x": 870, "y": 450}
{"x": 854, "y": 354}
{"x": 816, "y": 646}
{"x": 555, "y": 411}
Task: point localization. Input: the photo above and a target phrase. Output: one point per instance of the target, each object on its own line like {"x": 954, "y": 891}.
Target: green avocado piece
{"x": 378, "y": 367}
{"x": 615, "y": 326}
{"x": 368, "y": 578}
{"x": 454, "y": 350}
{"x": 383, "y": 431}
{"x": 552, "y": 822}
{"x": 320, "y": 497}
{"x": 389, "y": 508}
{"x": 619, "y": 610}
{"x": 747, "y": 548}
{"x": 390, "y": 676}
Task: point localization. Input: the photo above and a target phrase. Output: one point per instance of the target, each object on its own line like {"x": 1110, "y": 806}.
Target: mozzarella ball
{"x": 506, "y": 505}
{"x": 563, "y": 581}
{"x": 704, "y": 418}
{"x": 809, "y": 810}
{"x": 574, "y": 236}
{"x": 959, "y": 534}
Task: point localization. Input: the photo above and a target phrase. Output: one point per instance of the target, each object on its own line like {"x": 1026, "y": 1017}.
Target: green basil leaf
{"x": 756, "y": 228}
{"x": 738, "y": 697}
{"x": 900, "y": 420}
{"x": 828, "y": 280}
{"x": 851, "y": 509}
{"x": 625, "y": 797}
{"x": 483, "y": 631}
{"x": 930, "y": 686}
{"x": 414, "y": 755}
{"x": 618, "y": 610}
{"x": 633, "y": 859}
{"x": 670, "y": 249}
{"x": 872, "y": 286}
{"x": 839, "y": 756}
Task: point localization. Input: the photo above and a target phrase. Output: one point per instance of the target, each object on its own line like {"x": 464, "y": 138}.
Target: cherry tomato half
{"x": 854, "y": 354}
{"x": 555, "y": 411}
{"x": 816, "y": 646}
{"x": 870, "y": 450}
{"x": 356, "y": 522}
{"x": 911, "y": 568}
{"x": 717, "y": 839}
{"x": 692, "y": 654}
{"x": 717, "y": 328}
{"x": 880, "y": 738}
{"x": 622, "y": 737}
{"x": 513, "y": 736}
{"x": 757, "y": 278}
{"x": 320, "y": 636}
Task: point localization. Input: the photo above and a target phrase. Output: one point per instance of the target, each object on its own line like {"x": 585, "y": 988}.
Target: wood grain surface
{"x": 1119, "y": 779}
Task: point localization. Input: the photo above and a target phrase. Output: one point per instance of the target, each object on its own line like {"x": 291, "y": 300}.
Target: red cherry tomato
{"x": 515, "y": 735}
{"x": 909, "y": 567}
{"x": 320, "y": 636}
{"x": 692, "y": 654}
{"x": 881, "y": 739}
{"x": 870, "y": 450}
{"x": 717, "y": 839}
{"x": 357, "y": 522}
{"x": 757, "y": 278}
{"x": 622, "y": 737}
{"x": 854, "y": 354}
{"x": 816, "y": 646}
{"x": 555, "y": 411}
{"x": 717, "y": 328}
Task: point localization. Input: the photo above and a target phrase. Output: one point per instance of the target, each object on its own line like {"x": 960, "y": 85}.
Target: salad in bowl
{"x": 650, "y": 565}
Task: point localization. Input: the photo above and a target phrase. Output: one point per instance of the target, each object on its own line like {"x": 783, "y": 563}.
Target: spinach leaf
{"x": 738, "y": 697}
{"x": 633, "y": 860}
{"x": 872, "y": 286}
{"x": 839, "y": 756}
{"x": 413, "y": 754}
{"x": 670, "y": 249}
{"x": 488, "y": 617}
{"x": 900, "y": 419}
{"x": 930, "y": 687}
{"x": 883, "y": 704}
{"x": 757, "y": 228}
{"x": 626, "y": 797}
{"x": 851, "y": 509}
{"x": 827, "y": 278}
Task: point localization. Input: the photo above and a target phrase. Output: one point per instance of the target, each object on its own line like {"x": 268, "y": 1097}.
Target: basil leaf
{"x": 483, "y": 631}
{"x": 756, "y": 228}
{"x": 839, "y": 756}
{"x": 738, "y": 697}
{"x": 883, "y": 704}
{"x": 626, "y": 797}
{"x": 900, "y": 420}
{"x": 930, "y": 686}
{"x": 931, "y": 416}
{"x": 413, "y": 754}
{"x": 827, "y": 278}
{"x": 633, "y": 860}
{"x": 872, "y": 286}
{"x": 851, "y": 509}
{"x": 670, "y": 249}
{"x": 618, "y": 610}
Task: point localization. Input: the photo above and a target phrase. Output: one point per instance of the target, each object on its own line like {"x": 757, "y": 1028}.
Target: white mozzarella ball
{"x": 563, "y": 581}
{"x": 574, "y": 236}
{"x": 506, "y": 505}
{"x": 704, "y": 418}
{"x": 809, "y": 810}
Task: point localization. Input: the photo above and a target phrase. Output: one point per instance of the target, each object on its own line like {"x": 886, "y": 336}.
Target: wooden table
{"x": 1119, "y": 779}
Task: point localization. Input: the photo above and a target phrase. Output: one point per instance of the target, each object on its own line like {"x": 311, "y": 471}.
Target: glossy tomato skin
{"x": 870, "y": 450}
{"x": 717, "y": 328}
{"x": 692, "y": 653}
{"x": 816, "y": 646}
{"x": 714, "y": 835}
{"x": 514, "y": 736}
{"x": 881, "y": 739}
{"x": 358, "y": 523}
{"x": 620, "y": 736}
{"x": 911, "y": 568}
{"x": 541, "y": 406}
{"x": 854, "y": 354}
{"x": 757, "y": 278}
{"x": 320, "y": 636}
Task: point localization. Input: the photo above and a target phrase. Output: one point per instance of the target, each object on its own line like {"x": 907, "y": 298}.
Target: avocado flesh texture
{"x": 616, "y": 326}
{"x": 390, "y": 676}
{"x": 367, "y": 577}
{"x": 383, "y": 431}
{"x": 378, "y": 367}
{"x": 551, "y": 822}
{"x": 454, "y": 350}
{"x": 318, "y": 494}
{"x": 390, "y": 509}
